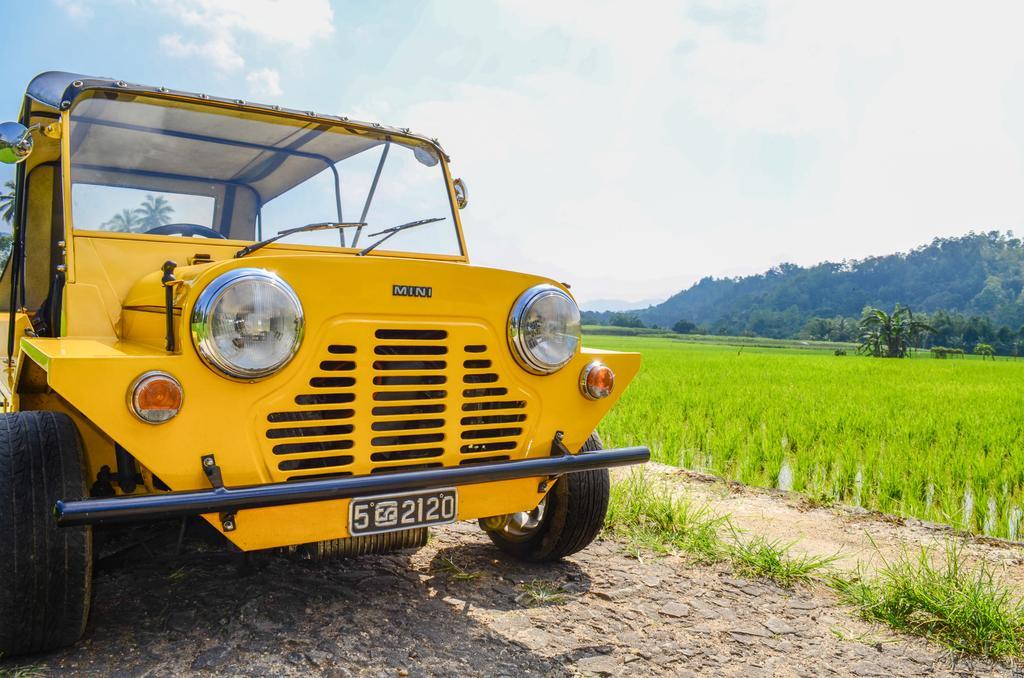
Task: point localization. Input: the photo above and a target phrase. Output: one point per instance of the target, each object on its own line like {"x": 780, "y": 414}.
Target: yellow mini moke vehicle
{"x": 267, "y": 318}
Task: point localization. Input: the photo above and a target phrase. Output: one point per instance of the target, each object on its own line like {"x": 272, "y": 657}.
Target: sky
{"x": 629, "y": 153}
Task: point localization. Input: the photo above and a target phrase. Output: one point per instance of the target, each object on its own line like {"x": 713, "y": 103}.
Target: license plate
{"x": 390, "y": 512}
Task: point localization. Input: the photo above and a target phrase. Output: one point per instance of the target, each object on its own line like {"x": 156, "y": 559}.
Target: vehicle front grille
{"x": 391, "y": 399}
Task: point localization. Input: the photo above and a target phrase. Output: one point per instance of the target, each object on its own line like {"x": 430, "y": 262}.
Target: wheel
{"x": 45, "y": 570}
{"x": 566, "y": 521}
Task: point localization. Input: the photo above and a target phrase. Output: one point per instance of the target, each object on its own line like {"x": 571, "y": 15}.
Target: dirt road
{"x": 855, "y": 536}
{"x": 458, "y": 607}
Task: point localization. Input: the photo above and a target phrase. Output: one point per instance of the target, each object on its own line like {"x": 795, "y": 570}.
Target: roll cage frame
{"x": 51, "y": 94}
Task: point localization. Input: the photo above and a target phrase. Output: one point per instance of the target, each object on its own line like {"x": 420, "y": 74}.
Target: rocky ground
{"x": 459, "y": 607}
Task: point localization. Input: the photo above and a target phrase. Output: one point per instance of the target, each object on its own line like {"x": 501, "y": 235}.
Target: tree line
{"x": 944, "y": 333}
{"x": 943, "y": 329}
{"x": 970, "y": 289}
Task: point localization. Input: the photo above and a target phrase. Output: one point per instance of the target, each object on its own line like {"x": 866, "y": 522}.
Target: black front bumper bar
{"x": 225, "y": 500}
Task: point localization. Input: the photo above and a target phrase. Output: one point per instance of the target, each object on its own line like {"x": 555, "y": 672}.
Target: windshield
{"x": 139, "y": 165}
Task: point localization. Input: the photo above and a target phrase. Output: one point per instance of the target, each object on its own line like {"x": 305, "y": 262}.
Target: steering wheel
{"x": 187, "y": 230}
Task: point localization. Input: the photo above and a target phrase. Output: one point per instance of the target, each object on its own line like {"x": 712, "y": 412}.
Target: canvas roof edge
{"x": 59, "y": 89}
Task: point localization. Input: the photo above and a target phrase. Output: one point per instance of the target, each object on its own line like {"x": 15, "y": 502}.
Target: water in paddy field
{"x": 784, "y": 481}
{"x": 990, "y": 514}
{"x": 990, "y": 518}
{"x": 968, "y": 509}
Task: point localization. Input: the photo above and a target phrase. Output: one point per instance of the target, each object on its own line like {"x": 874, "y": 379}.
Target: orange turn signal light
{"x": 597, "y": 381}
{"x": 155, "y": 397}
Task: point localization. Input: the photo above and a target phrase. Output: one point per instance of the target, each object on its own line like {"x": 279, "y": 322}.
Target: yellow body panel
{"x": 232, "y": 419}
{"x": 113, "y": 330}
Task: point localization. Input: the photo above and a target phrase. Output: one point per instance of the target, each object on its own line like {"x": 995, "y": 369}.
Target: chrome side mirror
{"x": 15, "y": 142}
{"x": 461, "y": 193}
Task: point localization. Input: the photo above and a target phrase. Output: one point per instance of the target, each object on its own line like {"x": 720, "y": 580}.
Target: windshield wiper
{"x": 323, "y": 226}
{"x": 393, "y": 230}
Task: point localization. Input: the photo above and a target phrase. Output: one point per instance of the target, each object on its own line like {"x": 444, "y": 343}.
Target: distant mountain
{"x": 979, "y": 274}
{"x": 617, "y": 304}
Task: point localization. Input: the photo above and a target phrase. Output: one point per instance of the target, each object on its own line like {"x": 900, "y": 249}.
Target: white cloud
{"x": 218, "y": 49}
{"x": 217, "y": 28}
{"x": 723, "y": 140}
{"x": 75, "y": 9}
{"x": 265, "y": 82}
{"x": 289, "y": 23}
{"x": 632, "y": 152}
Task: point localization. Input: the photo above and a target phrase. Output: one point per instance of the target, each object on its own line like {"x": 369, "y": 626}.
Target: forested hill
{"x": 979, "y": 274}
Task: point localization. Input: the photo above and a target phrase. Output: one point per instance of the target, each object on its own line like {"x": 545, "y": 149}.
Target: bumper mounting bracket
{"x": 216, "y": 478}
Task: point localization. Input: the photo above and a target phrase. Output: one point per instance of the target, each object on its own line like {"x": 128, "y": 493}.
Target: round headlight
{"x": 544, "y": 329}
{"x": 247, "y": 323}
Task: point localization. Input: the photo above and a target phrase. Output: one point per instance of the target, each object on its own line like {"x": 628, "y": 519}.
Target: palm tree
{"x": 885, "y": 335}
{"x": 7, "y": 202}
{"x": 155, "y": 211}
{"x": 125, "y": 221}
{"x": 840, "y": 330}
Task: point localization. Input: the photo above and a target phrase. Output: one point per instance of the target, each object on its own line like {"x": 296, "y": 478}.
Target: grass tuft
{"x": 21, "y": 672}
{"x": 759, "y": 557}
{"x": 455, "y": 571}
{"x": 537, "y": 593}
{"x": 178, "y": 574}
{"x": 953, "y": 602}
{"x": 648, "y": 516}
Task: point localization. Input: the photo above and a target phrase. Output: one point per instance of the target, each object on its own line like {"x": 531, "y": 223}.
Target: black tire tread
{"x": 45, "y": 570}
{"x": 577, "y": 505}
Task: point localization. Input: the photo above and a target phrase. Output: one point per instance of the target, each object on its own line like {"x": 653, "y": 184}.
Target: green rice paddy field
{"x": 941, "y": 440}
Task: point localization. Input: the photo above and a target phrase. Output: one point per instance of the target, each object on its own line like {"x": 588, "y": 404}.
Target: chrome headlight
{"x": 544, "y": 329}
{"x": 247, "y": 323}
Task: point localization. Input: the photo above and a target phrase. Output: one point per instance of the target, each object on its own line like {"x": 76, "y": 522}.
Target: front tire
{"x": 45, "y": 570}
{"x": 572, "y": 516}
